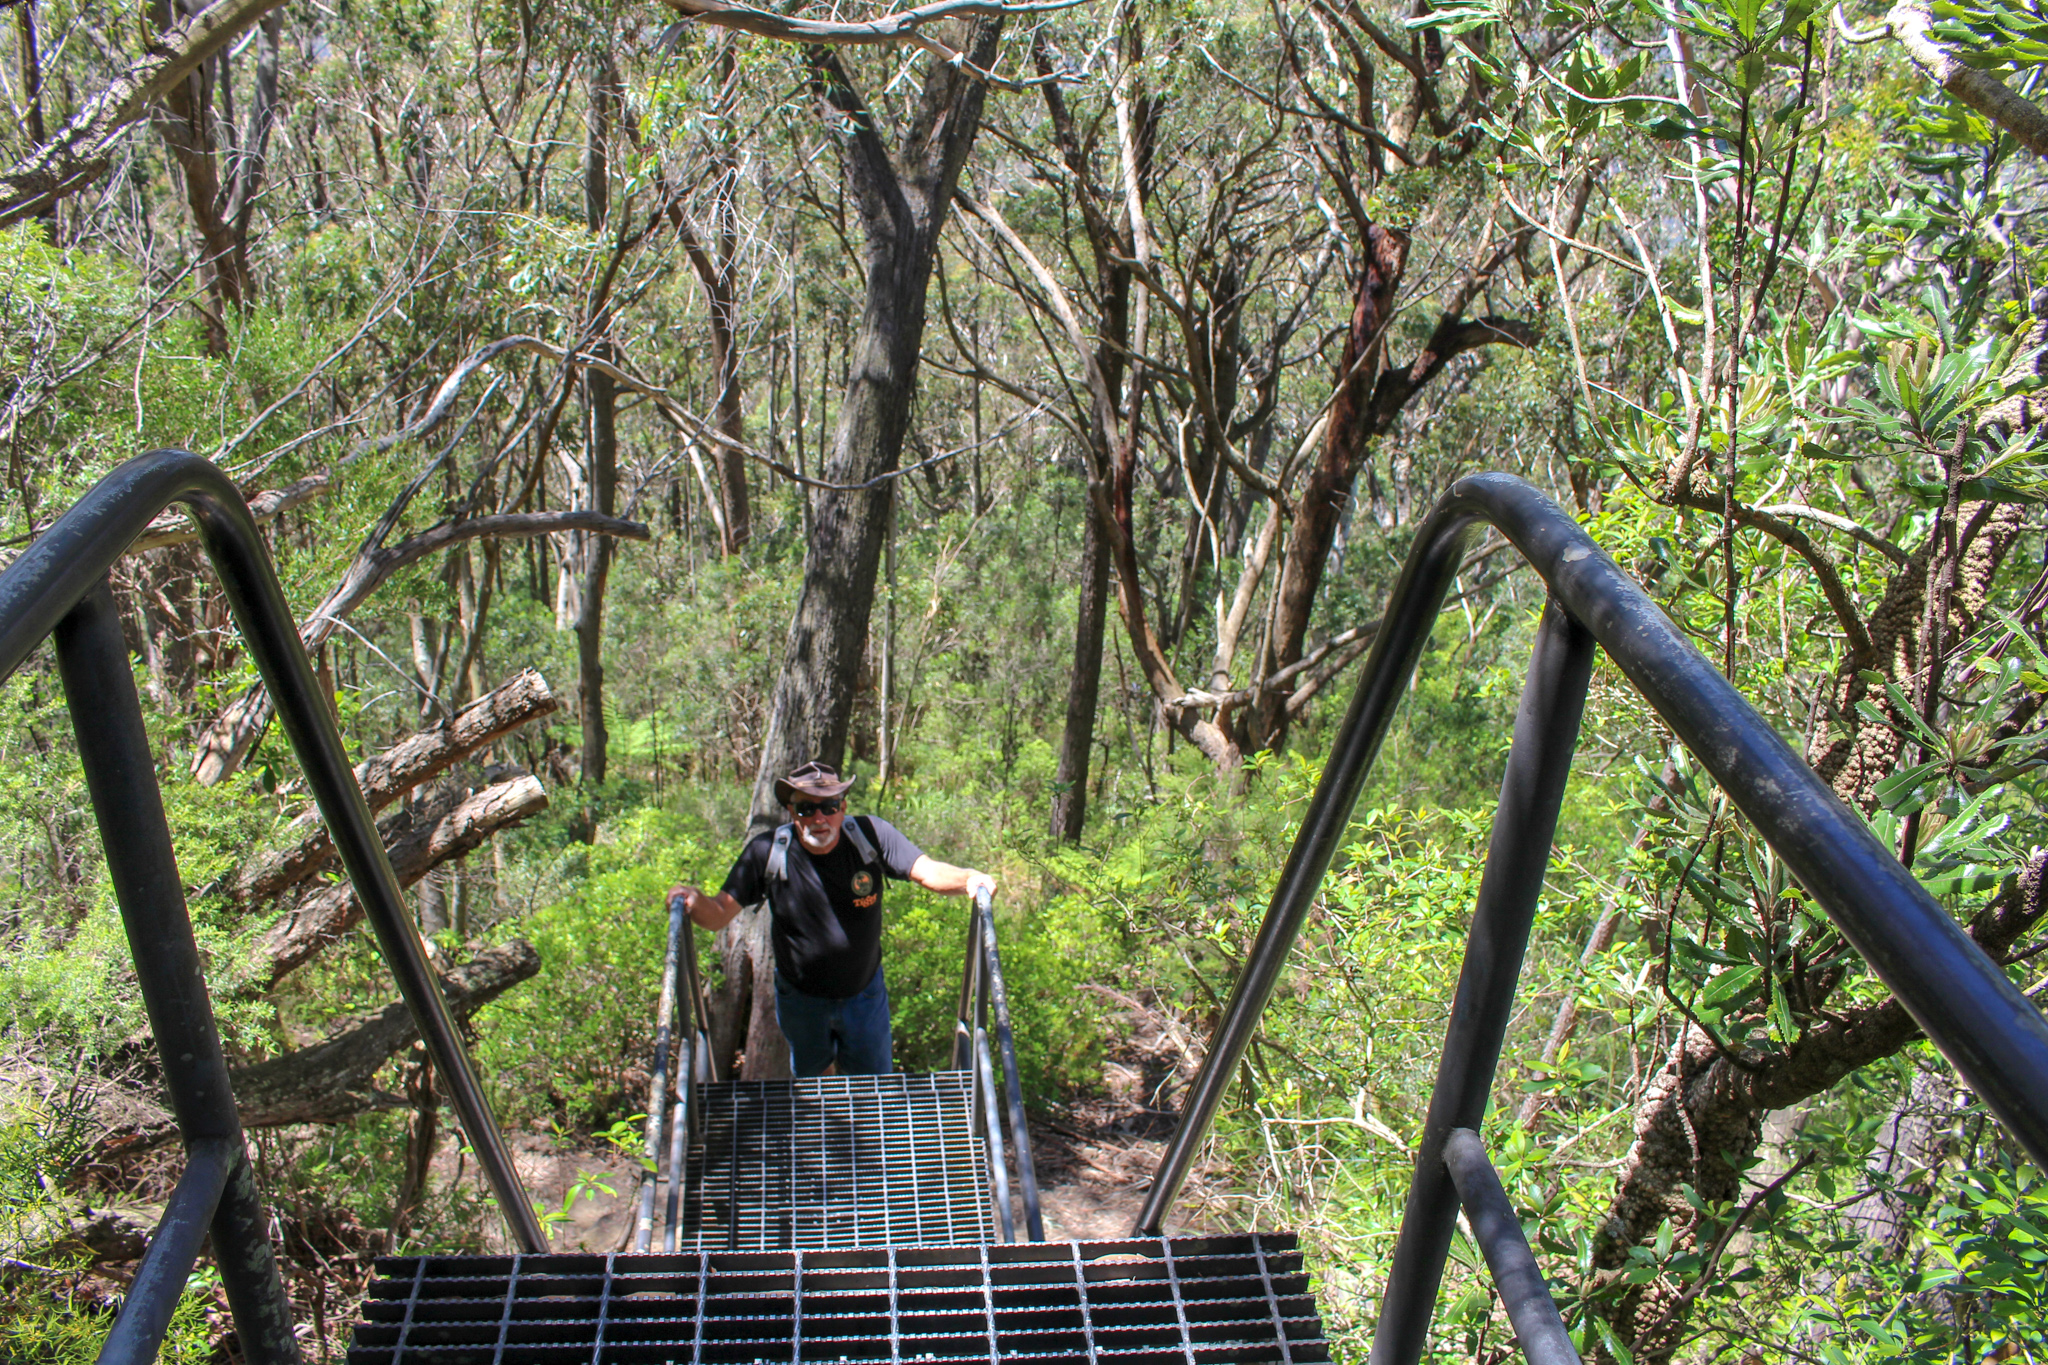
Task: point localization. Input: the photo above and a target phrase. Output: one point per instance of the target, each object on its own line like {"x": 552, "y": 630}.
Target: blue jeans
{"x": 854, "y": 1031}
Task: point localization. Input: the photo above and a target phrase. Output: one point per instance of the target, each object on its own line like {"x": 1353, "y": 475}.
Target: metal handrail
{"x": 704, "y": 1067}
{"x": 658, "y": 1088}
{"x": 982, "y": 995}
{"x": 695, "y": 1067}
{"x": 58, "y": 587}
{"x": 1995, "y": 1037}
{"x": 1531, "y": 1312}
{"x": 682, "y": 1035}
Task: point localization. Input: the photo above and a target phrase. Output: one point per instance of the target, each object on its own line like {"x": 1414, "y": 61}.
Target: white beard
{"x": 817, "y": 840}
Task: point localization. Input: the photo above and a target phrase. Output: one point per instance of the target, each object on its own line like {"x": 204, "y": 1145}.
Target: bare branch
{"x": 1832, "y": 587}
{"x": 226, "y": 741}
{"x": 416, "y": 759}
{"x": 1854, "y": 529}
{"x": 77, "y": 156}
{"x": 1980, "y": 90}
{"x": 172, "y": 528}
{"x": 904, "y": 26}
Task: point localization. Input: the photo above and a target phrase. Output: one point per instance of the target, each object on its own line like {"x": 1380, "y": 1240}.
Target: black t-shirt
{"x": 827, "y": 920}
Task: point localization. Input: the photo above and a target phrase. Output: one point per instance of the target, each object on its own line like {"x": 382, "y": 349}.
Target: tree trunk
{"x": 902, "y": 211}
{"x": 1070, "y": 779}
{"x": 600, "y": 397}
{"x": 30, "y": 69}
{"x": 250, "y": 164}
{"x": 185, "y": 121}
{"x": 79, "y": 154}
{"x": 885, "y": 734}
{"x": 1327, "y": 494}
{"x": 743, "y": 1024}
{"x": 411, "y": 762}
{"x": 1908, "y": 1147}
{"x": 1705, "y": 1112}
{"x": 227, "y": 739}
{"x": 715, "y": 261}
{"x": 902, "y": 208}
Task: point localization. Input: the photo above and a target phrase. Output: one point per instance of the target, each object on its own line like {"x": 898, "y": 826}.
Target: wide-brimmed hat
{"x": 815, "y": 780}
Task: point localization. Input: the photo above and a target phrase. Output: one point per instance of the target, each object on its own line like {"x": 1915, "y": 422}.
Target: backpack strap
{"x": 851, "y": 829}
{"x": 778, "y": 852}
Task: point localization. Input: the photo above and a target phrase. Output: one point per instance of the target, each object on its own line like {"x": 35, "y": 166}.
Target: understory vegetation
{"x": 1076, "y": 379}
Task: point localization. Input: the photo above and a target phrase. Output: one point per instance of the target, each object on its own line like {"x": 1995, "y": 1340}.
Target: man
{"x": 822, "y": 875}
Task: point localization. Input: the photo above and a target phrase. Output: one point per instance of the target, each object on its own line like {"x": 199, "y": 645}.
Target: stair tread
{"x": 837, "y": 1161}
{"x": 1185, "y": 1299}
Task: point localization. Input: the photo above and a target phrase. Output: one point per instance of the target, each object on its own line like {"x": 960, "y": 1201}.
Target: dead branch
{"x": 226, "y": 742}
{"x": 173, "y": 528}
{"x": 407, "y": 764}
{"x": 336, "y": 1079}
{"x": 904, "y": 26}
{"x": 79, "y": 154}
{"x": 327, "y": 914}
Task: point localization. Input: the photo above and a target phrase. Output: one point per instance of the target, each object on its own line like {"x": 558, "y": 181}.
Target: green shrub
{"x": 1048, "y": 956}
{"x": 562, "y": 1045}
{"x": 46, "y": 1318}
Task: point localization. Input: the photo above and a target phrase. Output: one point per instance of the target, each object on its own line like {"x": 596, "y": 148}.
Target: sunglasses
{"x": 810, "y": 808}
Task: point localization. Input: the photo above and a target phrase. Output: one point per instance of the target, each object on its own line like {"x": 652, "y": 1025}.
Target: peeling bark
{"x": 410, "y": 763}
{"x": 336, "y": 1080}
{"x": 1852, "y": 754}
{"x": 326, "y": 915}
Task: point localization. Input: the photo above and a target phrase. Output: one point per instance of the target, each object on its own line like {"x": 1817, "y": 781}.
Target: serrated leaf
{"x": 1613, "y": 1344}
{"x": 1730, "y": 987}
{"x": 1781, "y": 1012}
{"x": 1896, "y": 792}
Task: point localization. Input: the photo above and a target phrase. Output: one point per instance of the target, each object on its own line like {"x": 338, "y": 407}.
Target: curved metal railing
{"x": 982, "y": 995}
{"x": 681, "y": 1028}
{"x": 1996, "y": 1038}
{"x": 58, "y": 588}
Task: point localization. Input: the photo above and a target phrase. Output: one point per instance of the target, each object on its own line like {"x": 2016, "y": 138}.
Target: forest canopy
{"x": 1027, "y": 408}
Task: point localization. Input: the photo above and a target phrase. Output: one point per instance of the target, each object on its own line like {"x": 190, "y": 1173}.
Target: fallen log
{"x": 336, "y": 1079}
{"x": 325, "y": 915}
{"x": 405, "y": 765}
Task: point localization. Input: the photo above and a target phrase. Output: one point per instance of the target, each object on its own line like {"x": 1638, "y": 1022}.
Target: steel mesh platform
{"x": 837, "y": 1161}
{"x": 1189, "y": 1300}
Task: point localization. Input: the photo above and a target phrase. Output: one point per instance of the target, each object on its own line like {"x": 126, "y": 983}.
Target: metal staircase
{"x": 837, "y": 1161}
{"x": 799, "y": 1256}
{"x": 1141, "y": 1301}
{"x": 845, "y": 1218}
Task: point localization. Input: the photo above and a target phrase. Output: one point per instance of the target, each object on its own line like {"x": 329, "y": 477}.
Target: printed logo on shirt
{"x": 863, "y": 888}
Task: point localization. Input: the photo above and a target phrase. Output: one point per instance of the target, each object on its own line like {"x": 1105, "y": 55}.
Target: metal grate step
{"x": 1190, "y": 1300}
{"x": 837, "y": 1161}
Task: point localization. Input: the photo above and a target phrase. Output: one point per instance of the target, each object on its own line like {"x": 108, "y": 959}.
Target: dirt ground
{"x": 1096, "y": 1153}
{"x": 595, "y": 1222}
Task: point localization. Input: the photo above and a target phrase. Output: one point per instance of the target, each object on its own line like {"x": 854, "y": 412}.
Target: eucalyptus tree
{"x": 901, "y": 194}
{"x": 1219, "y": 218}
